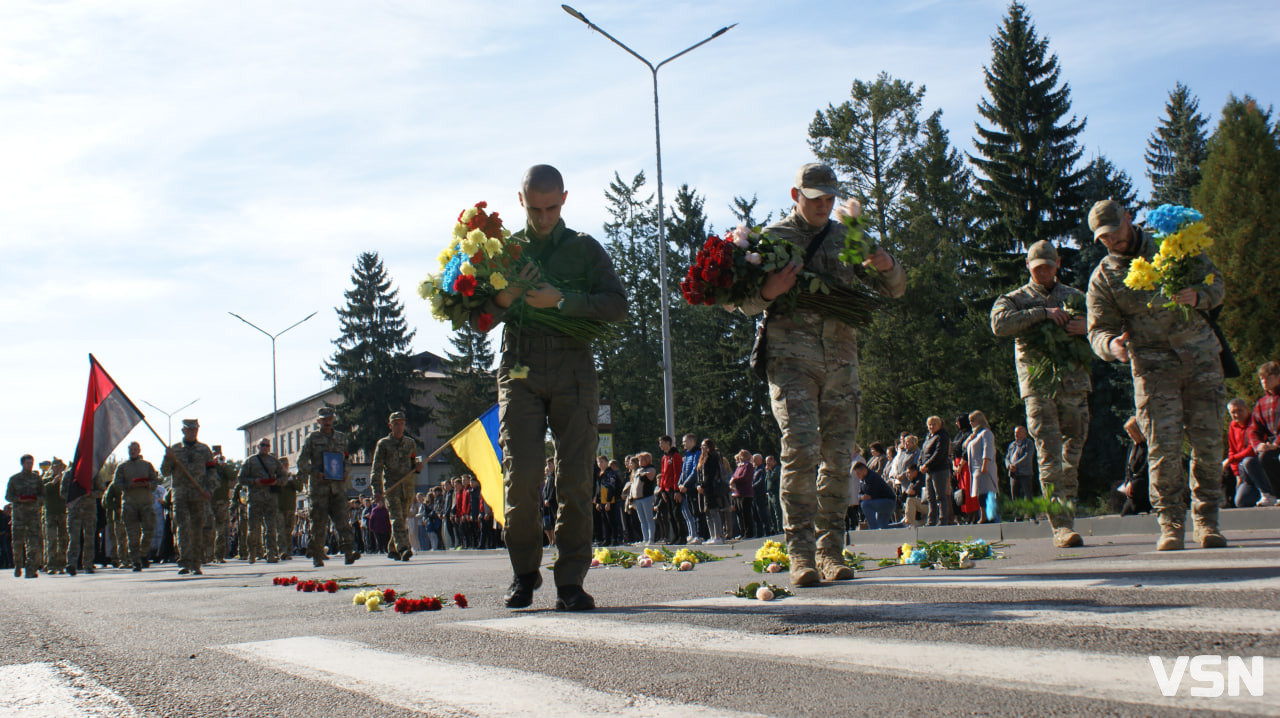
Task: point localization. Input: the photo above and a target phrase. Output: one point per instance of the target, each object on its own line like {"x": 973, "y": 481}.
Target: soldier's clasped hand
{"x": 780, "y": 282}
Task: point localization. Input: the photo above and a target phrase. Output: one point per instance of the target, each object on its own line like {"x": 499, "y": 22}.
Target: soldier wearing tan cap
{"x": 1178, "y": 386}
{"x": 1057, "y": 407}
{"x": 394, "y": 457}
{"x": 326, "y": 464}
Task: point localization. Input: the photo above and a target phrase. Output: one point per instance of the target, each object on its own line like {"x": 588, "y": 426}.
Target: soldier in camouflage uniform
{"x": 218, "y": 531}
{"x": 25, "y": 492}
{"x": 194, "y": 475}
{"x": 136, "y": 481}
{"x": 82, "y": 521}
{"x": 394, "y": 457}
{"x": 56, "y": 536}
{"x": 238, "y": 506}
{"x": 812, "y": 368}
{"x": 260, "y": 475}
{"x": 286, "y": 510}
{"x": 112, "y": 506}
{"x": 1057, "y": 409}
{"x": 327, "y": 489}
{"x": 1176, "y": 362}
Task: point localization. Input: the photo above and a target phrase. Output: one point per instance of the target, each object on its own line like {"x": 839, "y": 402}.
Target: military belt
{"x": 545, "y": 343}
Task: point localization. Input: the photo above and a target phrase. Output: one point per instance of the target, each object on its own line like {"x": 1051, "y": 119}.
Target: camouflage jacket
{"x": 392, "y": 459}
{"x": 25, "y": 487}
{"x": 226, "y": 479}
{"x": 69, "y": 479}
{"x": 136, "y": 479}
{"x": 52, "y": 488}
{"x": 1024, "y": 308}
{"x": 311, "y": 461}
{"x": 197, "y": 459}
{"x": 803, "y": 334}
{"x": 1157, "y": 336}
{"x": 260, "y": 471}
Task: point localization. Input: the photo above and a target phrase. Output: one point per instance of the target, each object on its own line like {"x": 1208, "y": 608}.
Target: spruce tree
{"x": 869, "y": 138}
{"x": 1027, "y": 153}
{"x": 1239, "y": 195}
{"x": 469, "y": 386}
{"x": 372, "y": 367}
{"x": 1176, "y": 149}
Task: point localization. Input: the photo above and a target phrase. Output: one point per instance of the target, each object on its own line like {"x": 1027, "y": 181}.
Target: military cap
{"x": 1042, "y": 252}
{"x": 191, "y": 423}
{"x": 324, "y": 412}
{"x": 396, "y": 416}
{"x": 1106, "y": 216}
{"x": 815, "y": 180}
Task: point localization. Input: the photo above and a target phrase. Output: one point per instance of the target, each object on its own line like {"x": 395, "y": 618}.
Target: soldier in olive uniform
{"x": 286, "y": 509}
{"x": 1175, "y": 358}
{"x": 1057, "y": 409}
{"x": 25, "y": 491}
{"x": 194, "y": 475}
{"x": 82, "y": 521}
{"x": 326, "y": 464}
{"x": 218, "y": 532}
{"x": 238, "y": 507}
{"x": 812, "y": 369}
{"x": 56, "y": 536}
{"x": 394, "y": 458}
{"x": 570, "y": 272}
{"x": 260, "y": 474}
{"x": 136, "y": 481}
{"x": 112, "y": 508}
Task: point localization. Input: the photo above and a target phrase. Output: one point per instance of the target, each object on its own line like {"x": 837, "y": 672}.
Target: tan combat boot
{"x": 1064, "y": 532}
{"x": 803, "y": 572}
{"x": 1206, "y": 532}
{"x": 833, "y": 568}
{"x": 1172, "y": 531}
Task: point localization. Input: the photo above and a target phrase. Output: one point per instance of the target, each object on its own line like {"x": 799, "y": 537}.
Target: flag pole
{"x": 177, "y": 463}
{"x": 433, "y": 455}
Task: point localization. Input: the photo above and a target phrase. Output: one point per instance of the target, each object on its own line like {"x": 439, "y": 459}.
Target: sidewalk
{"x": 1230, "y": 520}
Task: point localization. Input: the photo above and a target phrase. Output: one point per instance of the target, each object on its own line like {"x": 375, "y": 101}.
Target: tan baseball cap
{"x": 1106, "y": 216}
{"x": 396, "y": 415}
{"x": 1042, "y": 252}
{"x": 815, "y": 180}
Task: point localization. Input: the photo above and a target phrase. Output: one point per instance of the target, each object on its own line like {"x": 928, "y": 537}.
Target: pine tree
{"x": 372, "y": 367}
{"x": 1239, "y": 195}
{"x": 1176, "y": 149}
{"x": 869, "y": 138}
{"x": 1102, "y": 180}
{"x": 1027, "y": 154}
{"x": 469, "y": 387}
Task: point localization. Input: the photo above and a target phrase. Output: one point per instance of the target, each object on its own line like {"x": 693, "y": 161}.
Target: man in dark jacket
{"x": 935, "y": 462}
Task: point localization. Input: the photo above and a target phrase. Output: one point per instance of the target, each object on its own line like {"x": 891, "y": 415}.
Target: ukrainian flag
{"x": 477, "y": 446}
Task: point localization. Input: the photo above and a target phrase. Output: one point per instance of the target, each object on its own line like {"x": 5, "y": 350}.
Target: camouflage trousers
{"x": 190, "y": 517}
{"x": 221, "y": 527}
{"x": 55, "y": 540}
{"x": 119, "y": 547}
{"x": 28, "y": 549}
{"x": 399, "y": 503}
{"x": 242, "y": 529}
{"x": 1174, "y": 400}
{"x": 1059, "y": 425}
{"x": 263, "y": 508}
{"x": 82, "y": 526}
{"x": 285, "y": 522}
{"x": 330, "y": 504}
{"x": 816, "y": 403}
{"x": 139, "y": 519}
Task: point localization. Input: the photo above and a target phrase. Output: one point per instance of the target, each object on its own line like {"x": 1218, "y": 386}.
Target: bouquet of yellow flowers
{"x": 1182, "y": 237}
{"x": 771, "y": 558}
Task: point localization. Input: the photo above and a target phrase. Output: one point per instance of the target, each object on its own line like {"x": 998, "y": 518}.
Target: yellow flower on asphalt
{"x": 358, "y": 599}
{"x": 498, "y": 281}
{"x": 467, "y": 269}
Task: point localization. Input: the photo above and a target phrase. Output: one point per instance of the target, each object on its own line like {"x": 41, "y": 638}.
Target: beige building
{"x": 298, "y": 419}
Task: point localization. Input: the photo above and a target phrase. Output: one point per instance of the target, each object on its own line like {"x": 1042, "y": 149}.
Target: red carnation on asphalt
{"x": 331, "y": 586}
{"x": 460, "y": 600}
{"x": 388, "y": 594}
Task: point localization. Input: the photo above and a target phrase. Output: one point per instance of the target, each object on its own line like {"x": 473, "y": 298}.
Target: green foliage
{"x": 1240, "y": 198}
{"x": 1176, "y": 149}
{"x": 469, "y": 387}
{"x": 1027, "y": 153}
{"x": 1054, "y": 353}
{"x": 371, "y": 367}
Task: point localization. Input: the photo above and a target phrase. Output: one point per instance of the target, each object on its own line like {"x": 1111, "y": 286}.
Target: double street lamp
{"x": 275, "y": 411}
{"x": 169, "y": 415}
{"x": 668, "y": 391}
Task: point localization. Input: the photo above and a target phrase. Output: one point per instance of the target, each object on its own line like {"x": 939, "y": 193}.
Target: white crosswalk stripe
{"x": 470, "y": 689}
{"x": 57, "y": 690}
{"x": 1125, "y": 678}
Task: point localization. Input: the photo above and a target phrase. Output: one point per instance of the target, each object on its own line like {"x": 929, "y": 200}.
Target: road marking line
{"x": 57, "y": 690}
{"x": 1149, "y": 617}
{"x": 1132, "y": 579}
{"x": 1124, "y": 678}
{"x": 464, "y": 688}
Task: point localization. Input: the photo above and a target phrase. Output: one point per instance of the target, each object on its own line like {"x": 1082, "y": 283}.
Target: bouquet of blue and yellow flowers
{"x": 1181, "y": 236}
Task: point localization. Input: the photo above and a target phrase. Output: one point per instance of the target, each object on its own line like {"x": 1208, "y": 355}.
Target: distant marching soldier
{"x": 260, "y": 474}
{"x": 287, "y": 509}
{"x": 55, "y": 519}
{"x": 112, "y": 508}
{"x": 325, "y": 463}
{"x": 136, "y": 481}
{"x": 25, "y": 492}
{"x": 394, "y": 458}
{"x": 194, "y": 474}
{"x": 82, "y": 522}
{"x": 219, "y": 531}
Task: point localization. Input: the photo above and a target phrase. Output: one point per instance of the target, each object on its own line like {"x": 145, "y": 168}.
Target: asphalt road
{"x": 1041, "y": 631}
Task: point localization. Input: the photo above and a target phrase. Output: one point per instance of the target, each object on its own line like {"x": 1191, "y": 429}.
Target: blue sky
{"x": 162, "y": 164}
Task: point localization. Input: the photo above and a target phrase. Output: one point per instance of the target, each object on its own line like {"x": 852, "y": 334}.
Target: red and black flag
{"x": 109, "y": 416}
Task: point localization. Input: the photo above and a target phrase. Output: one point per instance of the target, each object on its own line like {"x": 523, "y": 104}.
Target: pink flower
{"x": 741, "y": 236}
{"x": 851, "y": 208}
{"x": 753, "y": 258}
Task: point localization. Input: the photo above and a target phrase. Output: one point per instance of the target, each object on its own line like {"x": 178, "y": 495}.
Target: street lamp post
{"x": 169, "y": 414}
{"x": 275, "y": 417}
{"x": 668, "y": 382}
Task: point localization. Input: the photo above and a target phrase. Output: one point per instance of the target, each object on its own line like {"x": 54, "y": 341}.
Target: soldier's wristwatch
{"x": 560, "y": 304}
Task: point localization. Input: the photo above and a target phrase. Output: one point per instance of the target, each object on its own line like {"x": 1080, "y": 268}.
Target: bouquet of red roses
{"x": 729, "y": 270}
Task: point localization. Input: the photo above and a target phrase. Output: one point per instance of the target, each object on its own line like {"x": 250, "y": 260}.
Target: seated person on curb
{"x": 877, "y": 498}
{"x": 1253, "y": 486}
